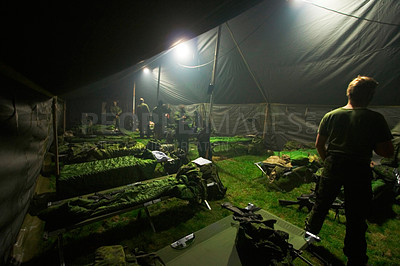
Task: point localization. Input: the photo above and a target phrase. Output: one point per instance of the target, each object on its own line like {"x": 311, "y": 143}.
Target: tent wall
{"x": 26, "y": 135}
{"x": 300, "y": 122}
{"x": 277, "y": 123}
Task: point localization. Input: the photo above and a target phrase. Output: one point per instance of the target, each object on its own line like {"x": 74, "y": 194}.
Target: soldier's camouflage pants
{"x": 356, "y": 178}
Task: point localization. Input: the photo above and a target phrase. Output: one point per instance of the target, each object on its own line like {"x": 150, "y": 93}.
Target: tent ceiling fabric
{"x": 64, "y": 45}
{"x": 279, "y": 52}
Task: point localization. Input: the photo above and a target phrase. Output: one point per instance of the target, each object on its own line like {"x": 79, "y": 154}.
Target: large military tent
{"x": 273, "y": 69}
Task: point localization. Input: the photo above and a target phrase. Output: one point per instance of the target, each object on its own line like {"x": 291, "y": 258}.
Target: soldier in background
{"x": 116, "y": 112}
{"x": 183, "y": 124}
{"x": 160, "y": 113}
{"x": 203, "y": 142}
{"x": 143, "y": 114}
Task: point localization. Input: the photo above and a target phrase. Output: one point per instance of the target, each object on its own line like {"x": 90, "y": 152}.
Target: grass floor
{"x": 175, "y": 218}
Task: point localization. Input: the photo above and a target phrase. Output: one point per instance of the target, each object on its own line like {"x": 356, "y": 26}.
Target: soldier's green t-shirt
{"x": 354, "y": 132}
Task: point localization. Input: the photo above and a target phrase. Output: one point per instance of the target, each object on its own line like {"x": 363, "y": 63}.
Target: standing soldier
{"x": 116, "y": 112}
{"x": 159, "y": 119}
{"x": 203, "y": 142}
{"x": 345, "y": 141}
{"x": 183, "y": 130}
{"x": 143, "y": 114}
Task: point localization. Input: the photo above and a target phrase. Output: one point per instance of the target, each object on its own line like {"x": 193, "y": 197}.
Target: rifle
{"x": 336, "y": 206}
{"x": 243, "y": 214}
{"x": 301, "y": 201}
{"x": 305, "y": 201}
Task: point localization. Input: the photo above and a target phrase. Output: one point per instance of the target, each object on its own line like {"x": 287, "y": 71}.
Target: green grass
{"x": 175, "y": 218}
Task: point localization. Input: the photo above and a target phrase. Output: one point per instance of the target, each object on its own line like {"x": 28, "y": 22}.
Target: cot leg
{"x": 208, "y": 205}
{"x": 60, "y": 249}
{"x": 149, "y": 217}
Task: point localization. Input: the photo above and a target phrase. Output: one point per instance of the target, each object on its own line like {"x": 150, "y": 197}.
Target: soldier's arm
{"x": 320, "y": 145}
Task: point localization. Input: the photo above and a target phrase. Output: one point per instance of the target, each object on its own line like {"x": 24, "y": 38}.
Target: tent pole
{"x": 247, "y": 65}
{"x": 55, "y": 135}
{"x": 133, "y": 98}
{"x": 158, "y": 82}
{"x": 65, "y": 117}
{"x": 265, "y": 120}
{"x": 212, "y": 83}
{"x": 254, "y": 78}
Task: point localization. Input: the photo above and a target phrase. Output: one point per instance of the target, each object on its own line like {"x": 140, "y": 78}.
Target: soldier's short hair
{"x": 361, "y": 90}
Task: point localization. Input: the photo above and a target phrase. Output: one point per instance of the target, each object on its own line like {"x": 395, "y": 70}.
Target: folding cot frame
{"x": 59, "y": 232}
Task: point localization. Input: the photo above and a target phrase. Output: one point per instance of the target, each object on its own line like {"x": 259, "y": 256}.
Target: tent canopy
{"x": 275, "y": 52}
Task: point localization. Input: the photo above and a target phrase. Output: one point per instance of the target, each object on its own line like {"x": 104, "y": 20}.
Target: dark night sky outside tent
{"x": 64, "y": 45}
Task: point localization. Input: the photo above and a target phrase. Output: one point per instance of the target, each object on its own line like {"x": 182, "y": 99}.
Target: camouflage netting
{"x": 256, "y": 147}
{"x": 110, "y": 255}
{"x": 384, "y": 174}
{"x": 230, "y": 139}
{"x": 115, "y": 138}
{"x": 395, "y": 159}
{"x": 250, "y": 144}
{"x": 78, "y": 209}
{"x": 116, "y": 256}
{"x": 189, "y": 184}
{"x": 386, "y": 184}
{"x": 91, "y": 151}
{"x": 290, "y": 169}
{"x": 296, "y": 145}
{"x": 84, "y": 178}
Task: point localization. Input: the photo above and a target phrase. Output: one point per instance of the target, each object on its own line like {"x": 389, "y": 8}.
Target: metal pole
{"x": 247, "y": 65}
{"x": 133, "y": 98}
{"x": 65, "y": 117}
{"x": 158, "y": 82}
{"x": 55, "y": 135}
{"x": 212, "y": 83}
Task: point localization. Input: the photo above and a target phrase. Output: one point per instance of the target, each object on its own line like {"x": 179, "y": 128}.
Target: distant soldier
{"x": 183, "y": 124}
{"x": 203, "y": 142}
{"x": 143, "y": 114}
{"x": 160, "y": 113}
{"x": 116, "y": 112}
